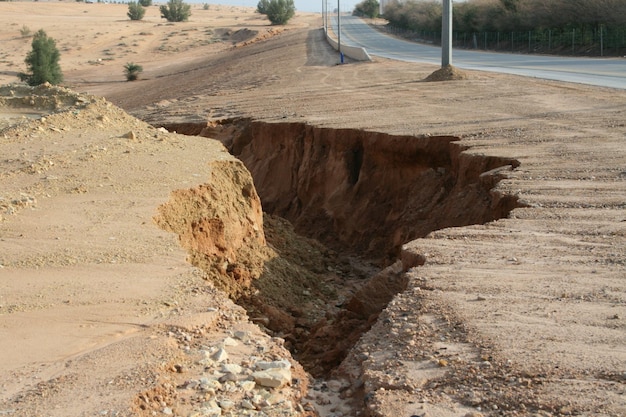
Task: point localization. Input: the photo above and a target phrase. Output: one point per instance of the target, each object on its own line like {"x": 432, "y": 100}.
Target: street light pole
{"x": 339, "y": 29}
{"x": 324, "y": 13}
{"x": 446, "y": 33}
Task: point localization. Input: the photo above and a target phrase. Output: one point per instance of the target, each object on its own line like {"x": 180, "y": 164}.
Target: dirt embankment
{"x": 98, "y": 303}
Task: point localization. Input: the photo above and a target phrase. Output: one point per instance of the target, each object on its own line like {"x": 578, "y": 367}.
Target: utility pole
{"x": 324, "y": 16}
{"x": 446, "y": 33}
{"x": 339, "y": 30}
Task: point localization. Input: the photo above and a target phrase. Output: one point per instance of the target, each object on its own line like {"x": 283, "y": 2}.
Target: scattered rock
{"x": 220, "y": 355}
{"x": 273, "y": 378}
{"x": 281, "y": 364}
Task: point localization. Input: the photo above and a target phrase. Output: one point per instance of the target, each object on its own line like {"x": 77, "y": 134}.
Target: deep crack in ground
{"x": 353, "y": 198}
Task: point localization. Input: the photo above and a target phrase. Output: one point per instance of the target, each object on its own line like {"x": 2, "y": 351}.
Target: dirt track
{"x": 521, "y": 316}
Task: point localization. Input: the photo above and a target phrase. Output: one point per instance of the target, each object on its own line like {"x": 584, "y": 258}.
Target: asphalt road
{"x": 605, "y": 72}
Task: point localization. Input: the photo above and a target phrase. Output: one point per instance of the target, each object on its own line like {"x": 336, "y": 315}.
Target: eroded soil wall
{"x": 370, "y": 192}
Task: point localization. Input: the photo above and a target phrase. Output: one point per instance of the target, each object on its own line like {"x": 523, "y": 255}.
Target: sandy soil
{"x": 522, "y": 316}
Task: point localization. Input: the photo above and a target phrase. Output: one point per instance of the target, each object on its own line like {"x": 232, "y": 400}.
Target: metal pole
{"x": 339, "y": 30}
{"x": 324, "y": 5}
{"x": 601, "y": 41}
{"x": 339, "y": 25}
{"x": 326, "y": 16}
{"x": 446, "y": 33}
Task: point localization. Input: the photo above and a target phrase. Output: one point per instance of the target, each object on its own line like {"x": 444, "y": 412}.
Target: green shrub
{"x": 135, "y": 11}
{"x": 261, "y": 7}
{"x": 145, "y": 3}
{"x": 206, "y": 6}
{"x": 132, "y": 71}
{"x": 42, "y": 61}
{"x": 367, "y": 8}
{"x": 176, "y": 11}
{"x": 280, "y": 11}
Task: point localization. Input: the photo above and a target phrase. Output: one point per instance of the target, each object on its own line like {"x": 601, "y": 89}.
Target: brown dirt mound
{"x": 447, "y": 73}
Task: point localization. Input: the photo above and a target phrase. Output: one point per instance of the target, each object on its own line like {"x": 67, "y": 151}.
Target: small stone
{"x": 229, "y": 341}
{"x": 242, "y": 335}
{"x": 211, "y": 409}
{"x": 334, "y": 385}
{"x": 206, "y": 384}
{"x": 220, "y": 355}
{"x": 247, "y": 386}
{"x": 231, "y": 368}
{"x": 281, "y": 364}
{"x": 247, "y": 405}
{"x": 168, "y": 411}
{"x": 229, "y": 378}
{"x": 273, "y": 378}
{"x": 226, "y": 404}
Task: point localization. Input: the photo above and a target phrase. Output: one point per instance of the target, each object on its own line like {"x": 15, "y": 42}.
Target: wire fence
{"x": 600, "y": 41}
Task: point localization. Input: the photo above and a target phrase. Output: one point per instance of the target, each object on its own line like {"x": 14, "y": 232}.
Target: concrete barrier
{"x": 354, "y": 52}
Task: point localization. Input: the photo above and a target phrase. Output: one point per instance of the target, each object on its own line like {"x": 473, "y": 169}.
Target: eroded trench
{"x": 338, "y": 205}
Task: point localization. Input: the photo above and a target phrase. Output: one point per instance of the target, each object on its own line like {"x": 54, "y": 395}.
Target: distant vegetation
{"x": 25, "y": 31}
{"x": 132, "y": 71}
{"x": 576, "y": 26}
{"x": 42, "y": 61}
{"x": 135, "y": 11}
{"x": 367, "y": 8}
{"x": 279, "y": 12}
{"x": 176, "y": 11}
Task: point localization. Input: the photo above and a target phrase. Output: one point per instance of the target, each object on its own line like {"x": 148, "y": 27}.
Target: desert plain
{"x": 504, "y": 198}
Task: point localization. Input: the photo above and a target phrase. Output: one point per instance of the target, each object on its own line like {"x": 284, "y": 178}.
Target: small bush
{"x": 132, "y": 71}
{"x": 206, "y": 6}
{"x": 367, "y": 8}
{"x": 145, "y": 3}
{"x": 176, "y": 11}
{"x": 42, "y": 61}
{"x": 280, "y": 11}
{"x": 135, "y": 11}
{"x": 25, "y": 31}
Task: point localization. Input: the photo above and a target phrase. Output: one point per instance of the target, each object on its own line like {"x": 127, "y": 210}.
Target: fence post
{"x": 549, "y": 40}
{"x": 601, "y": 41}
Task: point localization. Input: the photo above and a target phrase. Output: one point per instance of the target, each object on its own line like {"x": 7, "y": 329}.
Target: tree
{"x": 262, "y": 6}
{"x": 42, "y": 61}
{"x": 367, "y": 8}
{"x": 145, "y": 3}
{"x": 176, "y": 11}
{"x": 132, "y": 71}
{"x": 135, "y": 11}
{"x": 280, "y": 11}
